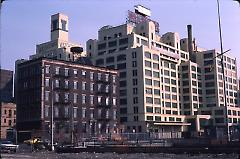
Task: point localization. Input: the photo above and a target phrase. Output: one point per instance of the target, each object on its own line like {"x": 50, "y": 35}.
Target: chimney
{"x": 190, "y": 44}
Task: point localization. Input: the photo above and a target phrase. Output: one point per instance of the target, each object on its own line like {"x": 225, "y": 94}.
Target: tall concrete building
{"x": 166, "y": 85}
{"x": 149, "y": 76}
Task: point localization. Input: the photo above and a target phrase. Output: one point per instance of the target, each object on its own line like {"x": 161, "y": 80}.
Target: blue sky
{"x": 25, "y": 23}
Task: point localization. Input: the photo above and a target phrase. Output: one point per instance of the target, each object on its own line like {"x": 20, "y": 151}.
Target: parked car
{"x": 8, "y": 146}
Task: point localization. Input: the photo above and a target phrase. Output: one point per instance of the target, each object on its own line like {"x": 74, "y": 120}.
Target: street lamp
{"x": 222, "y": 64}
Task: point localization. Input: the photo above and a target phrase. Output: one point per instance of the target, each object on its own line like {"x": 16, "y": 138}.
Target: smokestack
{"x": 190, "y": 46}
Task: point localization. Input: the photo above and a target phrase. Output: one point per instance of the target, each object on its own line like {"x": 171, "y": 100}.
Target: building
{"x": 84, "y": 98}
{"x": 6, "y": 85}
{"x": 8, "y": 118}
{"x": 166, "y": 85}
{"x": 59, "y": 46}
{"x": 148, "y": 71}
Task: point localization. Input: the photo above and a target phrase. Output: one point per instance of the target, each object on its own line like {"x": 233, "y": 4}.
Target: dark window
{"x": 110, "y": 59}
{"x": 148, "y": 55}
{"x": 208, "y": 55}
{"x": 123, "y": 119}
{"x": 149, "y": 109}
{"x": 184, "y": 68}
{"x": 210, "y": 91}
{"x": 55, "y": 24}
{"x": 123, "y": 74}
{"x": 101, "y": 46}
{"x": 209, "y": 62}
{"x": 123, "y": 83}
{"x": 64, "y": 24}
{"x": 112, "y": 43}
{"x": 121, "y": 57}
{"x": 121, "y": 66}
{"x": 123, "y": 101}
{"x": 99, "y": 62}
{"x": 123, "y": 110}
{"x": 209, "y": 77}
{"x": 123, "y": 41}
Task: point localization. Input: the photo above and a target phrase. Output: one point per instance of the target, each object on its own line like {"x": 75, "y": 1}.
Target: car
{"x": 8, "y": 146}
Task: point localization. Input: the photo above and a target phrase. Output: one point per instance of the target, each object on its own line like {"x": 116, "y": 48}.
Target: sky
{"x": 25, "y": 23}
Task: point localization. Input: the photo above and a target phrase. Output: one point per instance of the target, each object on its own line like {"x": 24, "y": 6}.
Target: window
{"x": 135, "y": 100}
{"x": 123, "y": 41}
{"x": 149, "y": 100}
{"x": 57, "y": 83}
{"x": 66, "y": 71}
{"x": 134, "y": 54}
{"x": 134, "y": 63}
{"x": 148, "y": 90}
{"x": 83, "y": 99}
{"x": 135, "y": 91}
{"x": 155, "y": 57}
{"x": 148, "y": 81}
{"x": 75, "y": 85}
{"x": 66, "y": 97}
{"x": 83, "y": 112}
{"x": 148, "y": 64}
{"x": 173, "y": 74}
{"x": 99, "y": 99}
{"x": 46, "y": 111}
{"x": 91, "y": 87}
{"x": 149, "y": 109}
{"x": 66, "y": 111}
{"x": 114, "y": 101}
{"x": 75, "y": 112}
{"x": 91, "y": 75}
{"x": 75, "y": 98}
{"x": 123, "y": 83}
{"x": 64, "y": 25}
{"x": 57, "y": 70}
{"x": 148, "y": 55}
{"x": 156, "y": 83}
{"x": 121, "y": 66}
{"x": 84, "y": 86}
{"x": 135, "y": 82}
{"x": 107, "y": 101}
{"x": 92, "y": 100}
{"x": 47, "y": 69}
{"x": 56, "y": 97}
{"x": 134, "y": 72}
{"x": 157, "y": 101}
{"x": 75, "y": 72}
{"x": 114, "y": 79}
{"x": 148, "y": 73}
{"x": 121, "y": 57}
{"x": 56, "y": 111}
{"x": 47, "y": 96}
{"x": 156, "y": 74}
{"x": 155, "y": 66}
{"x": 84, "y": 73}
{"x": 99, "y": 62}
{"x": 112, "y": 43}
{"x": 47, "y": 82}
{"x": 66, "y": 86}
{"x": 114, "y": 89}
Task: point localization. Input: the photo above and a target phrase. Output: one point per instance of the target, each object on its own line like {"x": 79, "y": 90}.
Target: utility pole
{"x": 223, "y": 72}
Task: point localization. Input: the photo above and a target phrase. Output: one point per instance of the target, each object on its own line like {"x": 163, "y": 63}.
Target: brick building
{"x": 84, "y": 99}
{"x": 8, "y": 118}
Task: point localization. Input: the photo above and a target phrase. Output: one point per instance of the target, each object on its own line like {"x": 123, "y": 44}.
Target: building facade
{"x": 6, "y": 85}
{"x": 166, "y": 85}
{"x": 8, "y": 118}
{"x": 148, "y": 71}
{"x": 84, "y": 99}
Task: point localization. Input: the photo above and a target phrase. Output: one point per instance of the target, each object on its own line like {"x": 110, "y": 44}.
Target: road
{"x": 52, "y": 155}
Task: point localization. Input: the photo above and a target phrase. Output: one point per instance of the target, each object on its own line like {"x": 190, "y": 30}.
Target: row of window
{"x": 67, "y": 112}
{"x": 84, "y": 86}
{"x": 84, "y": 73}
{"x": 92, "y": 98}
